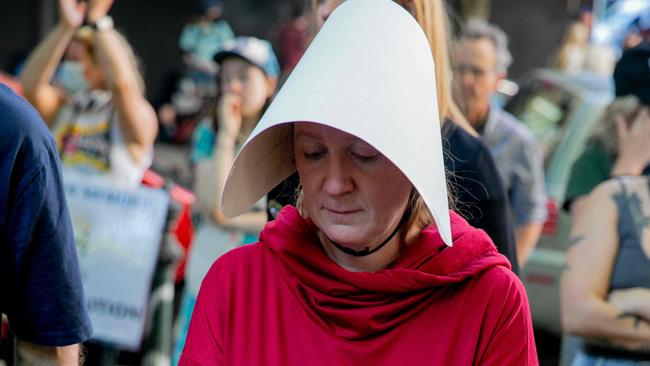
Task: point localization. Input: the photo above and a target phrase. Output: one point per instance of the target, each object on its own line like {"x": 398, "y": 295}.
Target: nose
{"x": 233, "y": 85}
{"x": 338, "y": 180}
{"x": 467, "y": 77}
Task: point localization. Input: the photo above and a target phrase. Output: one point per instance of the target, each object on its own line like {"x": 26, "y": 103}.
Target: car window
{"x": 544, "y": 108}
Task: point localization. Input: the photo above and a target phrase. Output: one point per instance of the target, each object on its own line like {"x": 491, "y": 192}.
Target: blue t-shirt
{"x": 40, "y": 285}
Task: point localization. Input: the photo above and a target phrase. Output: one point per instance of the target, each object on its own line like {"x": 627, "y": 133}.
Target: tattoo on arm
{"x": 575, "y": 240}
{"x": 610, "y": 343}
{"x": 637, "y": 319}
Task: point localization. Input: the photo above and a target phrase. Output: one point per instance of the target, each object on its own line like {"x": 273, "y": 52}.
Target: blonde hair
{"x": 605, "y": 132}
{"x": 577, "y": 34}
{"x": 86, "y": 35}
{"x": 570, "y": 55}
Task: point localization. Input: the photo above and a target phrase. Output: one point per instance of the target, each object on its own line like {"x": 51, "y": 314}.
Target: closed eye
{"x": 313, "y": 155}
{"x": 365, "y": 158}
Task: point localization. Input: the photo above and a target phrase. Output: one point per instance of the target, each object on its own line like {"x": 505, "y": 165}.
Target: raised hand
{"x": 632, "y": 301}
{"x": 71, "y": 13}
{"x": 633, "y": 144}
{"x": 230, "y": 115}
{"x": 98, "y": 9}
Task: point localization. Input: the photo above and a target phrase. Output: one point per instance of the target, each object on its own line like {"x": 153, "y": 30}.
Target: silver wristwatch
{"x": 103, "y": 24}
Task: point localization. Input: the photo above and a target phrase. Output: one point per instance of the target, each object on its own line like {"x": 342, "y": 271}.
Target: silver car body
{"x": 561, "y": 111}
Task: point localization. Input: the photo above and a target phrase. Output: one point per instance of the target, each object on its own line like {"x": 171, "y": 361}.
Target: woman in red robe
{"x": 371, "y": 268}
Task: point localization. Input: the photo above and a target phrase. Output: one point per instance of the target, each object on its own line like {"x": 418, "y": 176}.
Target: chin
{"x": 347, "y": 235}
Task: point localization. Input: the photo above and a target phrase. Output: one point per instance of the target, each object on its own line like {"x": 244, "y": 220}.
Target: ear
{"x": 271, "y": 84}
{"x": 502, "y": 75}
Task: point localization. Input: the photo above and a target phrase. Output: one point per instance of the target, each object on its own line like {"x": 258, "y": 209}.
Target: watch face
{"x": 104, "y": 23}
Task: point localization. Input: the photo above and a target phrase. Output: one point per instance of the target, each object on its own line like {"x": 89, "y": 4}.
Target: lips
{"x": 339, "y": 211}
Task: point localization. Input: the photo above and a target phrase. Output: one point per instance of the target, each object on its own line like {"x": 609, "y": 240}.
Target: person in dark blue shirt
{"x": 40, "y": 286}
{"x": 477, "y": 188}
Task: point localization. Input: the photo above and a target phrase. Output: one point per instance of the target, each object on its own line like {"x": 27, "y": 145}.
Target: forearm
{"x": 31, "y": 354}
{"x": 634, "y": 301}
{"x": 603, "y": 323}
{"x": 39, "y": 70}
{"x": 222, "y": 160}
{"x": 212, "y": 184}
{"x": 42, "y": 62}
{"x": 208, "y": 194}
{"x": 137, "y": 117}
{"x": 526, "y": 238}
{"x": 249, "y": 221}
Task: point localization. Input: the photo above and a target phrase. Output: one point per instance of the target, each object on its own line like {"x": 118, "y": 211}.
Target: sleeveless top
{"x": 89, "y": 139}
{"x": 631, "y": 266}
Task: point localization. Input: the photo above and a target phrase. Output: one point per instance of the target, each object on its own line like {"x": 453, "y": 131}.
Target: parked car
{"x": 561, "y": 111}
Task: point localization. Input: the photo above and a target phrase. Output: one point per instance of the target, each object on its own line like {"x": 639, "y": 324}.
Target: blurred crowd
{"x": 85, "y": 83}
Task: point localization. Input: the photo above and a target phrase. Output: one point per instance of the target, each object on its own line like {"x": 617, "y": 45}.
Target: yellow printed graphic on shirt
{"x": 85, "y": 145}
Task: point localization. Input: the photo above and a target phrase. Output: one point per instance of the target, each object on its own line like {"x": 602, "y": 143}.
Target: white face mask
{"x": 71, "y": 76}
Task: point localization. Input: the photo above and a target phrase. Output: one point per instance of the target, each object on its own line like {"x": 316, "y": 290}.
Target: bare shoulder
{"x": 636, "y": 183}
{"x": 607, "y": 188}
{"x": 615, "y": 186}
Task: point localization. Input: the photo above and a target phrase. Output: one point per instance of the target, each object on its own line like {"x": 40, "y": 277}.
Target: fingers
{"x": 234, "y": 104}
{"x": 231, "y": 98}
{"x": 230, "y": 103}
{"x": 643, "y": 118}
{"x": 72, "y": 12}
{"x": 641, "y": 123}
{"x": 621, "y": 128}
{"x": 81, "y": 7}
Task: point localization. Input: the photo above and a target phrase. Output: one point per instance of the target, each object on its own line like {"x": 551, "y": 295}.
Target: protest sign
{"x": 118, "y": 233}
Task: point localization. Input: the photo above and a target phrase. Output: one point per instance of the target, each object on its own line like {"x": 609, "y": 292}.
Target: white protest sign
{"x": 118, "y": 233}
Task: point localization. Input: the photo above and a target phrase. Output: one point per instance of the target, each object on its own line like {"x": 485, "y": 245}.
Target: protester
{"x": 605, "y": 288}
{"x": 201, "y": 39}
{"x": 638, "y": 32}
{"x": 570, "y": 57}
{"x": 481, "y": 60}
{"x": 11, "y": 82}
{"x": 40, "y": 286}
{"x": 70, "y": 73}
{"x": 359, "y": 273}
{"x": 596, "y": 164}
{"x": 188, "y": 91}
{"x": 108, "y": 128}
{"x": 247, "y": 81}
{"x": 293, "y": 37}
{"x": 481, "y": 198}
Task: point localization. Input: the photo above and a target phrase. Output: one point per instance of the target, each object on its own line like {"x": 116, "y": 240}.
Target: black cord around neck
{"x": 367, "y": 251}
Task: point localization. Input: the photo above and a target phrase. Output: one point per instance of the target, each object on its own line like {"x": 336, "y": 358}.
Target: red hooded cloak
{"x": 283, "y": 301}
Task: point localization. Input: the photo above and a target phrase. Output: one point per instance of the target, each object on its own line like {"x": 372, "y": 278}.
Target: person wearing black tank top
{"x": 605, "y": 287}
